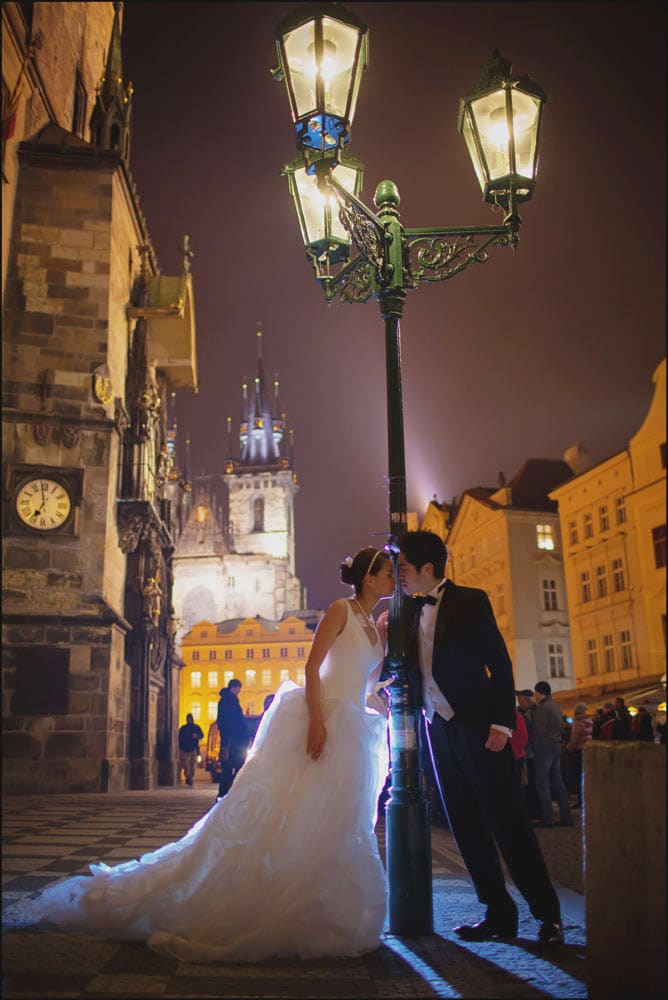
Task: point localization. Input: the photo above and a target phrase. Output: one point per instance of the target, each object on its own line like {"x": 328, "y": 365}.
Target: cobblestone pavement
{"x": 50, "y": 837}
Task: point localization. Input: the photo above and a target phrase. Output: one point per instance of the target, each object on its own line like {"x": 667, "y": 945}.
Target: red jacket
{"x": 520, "y": 736}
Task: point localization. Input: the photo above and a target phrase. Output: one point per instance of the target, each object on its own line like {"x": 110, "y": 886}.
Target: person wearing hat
{"x": 548, "y": 727}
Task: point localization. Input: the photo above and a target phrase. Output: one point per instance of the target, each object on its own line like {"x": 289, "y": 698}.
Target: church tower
{"x": 262, "y": 483}
{"x": 235, "y": 558}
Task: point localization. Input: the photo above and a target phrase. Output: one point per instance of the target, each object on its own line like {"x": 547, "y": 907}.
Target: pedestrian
{"x": 621, "y": 729}
{"x": 526, "y": 705}
{"x": 518, "y": 744}
{"x": 465, "y": 679}
{"x": 641, "y": 726}
{"x": 582, "y": 732}
{"x": 189, "y": 736}
{"x": 287, "y": 863}
{"x": 605, "y": 730}
{"x": 234, "y": 736}
{"x": 548, "y": 726}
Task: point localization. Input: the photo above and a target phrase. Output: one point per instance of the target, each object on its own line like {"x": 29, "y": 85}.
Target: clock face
{"x": 43, "y": 504}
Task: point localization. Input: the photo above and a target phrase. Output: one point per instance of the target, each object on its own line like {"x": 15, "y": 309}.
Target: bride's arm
{"x": 376, "y": 695}
{"x": 330, "y": 626}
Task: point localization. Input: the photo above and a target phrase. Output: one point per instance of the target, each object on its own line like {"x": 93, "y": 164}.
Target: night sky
{"x": 514, "y": 359}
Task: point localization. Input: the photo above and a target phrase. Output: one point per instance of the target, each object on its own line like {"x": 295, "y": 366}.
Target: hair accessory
{"x": 348, "y": 561}
{"x": 373, "y": 559}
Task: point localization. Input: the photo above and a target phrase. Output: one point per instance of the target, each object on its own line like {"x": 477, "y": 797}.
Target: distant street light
{"x": 322, "y": 50}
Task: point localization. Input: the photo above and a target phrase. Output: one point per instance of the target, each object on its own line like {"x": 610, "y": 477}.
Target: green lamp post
{"x": 322, "y": 53}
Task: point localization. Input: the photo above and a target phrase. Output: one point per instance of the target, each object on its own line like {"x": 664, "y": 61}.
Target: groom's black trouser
{"x": 485, "y": 809}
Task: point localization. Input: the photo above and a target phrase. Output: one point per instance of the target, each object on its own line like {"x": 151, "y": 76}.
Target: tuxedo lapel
{"x": 446, "y": 616}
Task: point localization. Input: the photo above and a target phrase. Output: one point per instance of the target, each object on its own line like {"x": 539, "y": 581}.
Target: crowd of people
{"x": 548, "y": 748}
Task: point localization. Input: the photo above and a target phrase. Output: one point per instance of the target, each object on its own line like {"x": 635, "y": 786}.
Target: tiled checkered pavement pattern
{"x": 50, "y": 837}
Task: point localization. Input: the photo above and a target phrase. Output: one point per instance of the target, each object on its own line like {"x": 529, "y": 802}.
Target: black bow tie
{"x": 422, "y": 599}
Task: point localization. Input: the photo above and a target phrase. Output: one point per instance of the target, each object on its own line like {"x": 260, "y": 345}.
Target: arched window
{"x": 258, "y": 514}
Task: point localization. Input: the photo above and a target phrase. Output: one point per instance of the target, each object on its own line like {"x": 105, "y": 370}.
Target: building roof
{"x": 531, "y": 485}
{"x": 483, "y": 494}
{"x": 202, "y": 534}
{"x": 231, "y": 624}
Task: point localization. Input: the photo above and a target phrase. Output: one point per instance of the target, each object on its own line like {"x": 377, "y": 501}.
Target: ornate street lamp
{"x": 322, "y": 49}
{"x": 500, "y": 121}
{"x": 326, "y": 239}
{"x": 322, "y": 52}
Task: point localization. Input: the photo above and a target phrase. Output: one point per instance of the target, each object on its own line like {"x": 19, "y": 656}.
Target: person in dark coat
{"x": 464, "y": 677}
{"x": 233, "y": 735}
{"x": 641, "y": 726}
{"x": 189, "y": 736}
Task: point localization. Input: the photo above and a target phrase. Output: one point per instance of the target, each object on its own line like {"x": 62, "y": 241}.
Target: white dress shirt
{"x": 432, "y": 697}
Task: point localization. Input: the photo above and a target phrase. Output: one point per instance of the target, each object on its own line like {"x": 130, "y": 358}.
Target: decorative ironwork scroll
{"x": 365, "y": 234}
{"x": 436, "y": 258}
{"x": 352, "y": 284}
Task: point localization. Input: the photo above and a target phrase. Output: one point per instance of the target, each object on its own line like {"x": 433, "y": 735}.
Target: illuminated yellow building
{"x": 506, "y": 541}
{"x": 613, "y": 523}
{"x": 437, "y": 518}
{"x": 258, "y": 652}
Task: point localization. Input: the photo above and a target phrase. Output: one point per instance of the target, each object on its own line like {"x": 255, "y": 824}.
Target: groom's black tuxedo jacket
{"x": 470, "y": 664}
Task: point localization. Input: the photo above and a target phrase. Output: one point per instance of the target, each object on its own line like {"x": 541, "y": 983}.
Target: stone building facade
{"x": 90, "y": 356}
{"x": 261, "y": 653}
{"x": 507, "y": 541}
{"x": 236, "y": 555}
{"x": 613, "y": 522}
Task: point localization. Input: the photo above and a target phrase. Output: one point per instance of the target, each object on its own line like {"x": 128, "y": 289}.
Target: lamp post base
{"x": 408, "y": 853}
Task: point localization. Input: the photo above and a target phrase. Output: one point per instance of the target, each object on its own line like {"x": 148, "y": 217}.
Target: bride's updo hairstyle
{"x": 367, "y": 560}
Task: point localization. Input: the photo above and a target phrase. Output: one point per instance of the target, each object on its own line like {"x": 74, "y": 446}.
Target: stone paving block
{"x": 437, "y": 965}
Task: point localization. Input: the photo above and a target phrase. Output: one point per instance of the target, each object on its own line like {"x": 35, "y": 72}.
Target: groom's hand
{"x": 496, "y": 740}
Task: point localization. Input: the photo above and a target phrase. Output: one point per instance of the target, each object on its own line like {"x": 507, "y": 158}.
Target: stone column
{"x": 625, "y": 869}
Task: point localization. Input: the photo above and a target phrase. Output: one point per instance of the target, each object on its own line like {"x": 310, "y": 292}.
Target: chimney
{"x": 577, "y": 457}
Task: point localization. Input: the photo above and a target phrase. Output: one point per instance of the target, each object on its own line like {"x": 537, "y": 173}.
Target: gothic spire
{"x": 110, "y": 120}
{"x": 261, "y": 432}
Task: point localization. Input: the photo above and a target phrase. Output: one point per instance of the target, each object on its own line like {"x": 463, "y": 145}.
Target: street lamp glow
{"x": 317, "y": 208}
{"x": 500, "y": 121}
{"x": 322, "y": 52}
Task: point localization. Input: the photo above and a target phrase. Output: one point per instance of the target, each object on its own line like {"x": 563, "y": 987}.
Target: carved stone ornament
{"x": 70, "y": 436}
{"x": 102, "y": 387}
{"x": 130, "y": 528}
{"x": 121, "y": 416}
{"x": 40, "y": 433}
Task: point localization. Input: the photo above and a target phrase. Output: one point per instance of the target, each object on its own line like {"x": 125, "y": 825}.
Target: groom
{"x": 468, "y": 694}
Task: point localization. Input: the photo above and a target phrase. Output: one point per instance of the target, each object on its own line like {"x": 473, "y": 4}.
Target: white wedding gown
{"x": 287, "y": 864}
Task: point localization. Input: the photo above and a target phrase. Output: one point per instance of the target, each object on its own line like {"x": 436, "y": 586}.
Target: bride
{"x": 287, "y": 863}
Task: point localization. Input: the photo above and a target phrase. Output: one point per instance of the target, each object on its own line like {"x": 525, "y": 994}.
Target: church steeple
{"x": 110, "y": 120}
{"x": 261, "y": 428}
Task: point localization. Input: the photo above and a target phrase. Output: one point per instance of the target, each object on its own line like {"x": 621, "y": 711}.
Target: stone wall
{"x": 625, "y": 869}
{"x": 66, "y": 590}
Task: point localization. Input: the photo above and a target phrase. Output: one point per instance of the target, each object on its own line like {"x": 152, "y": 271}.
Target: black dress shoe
{"x": 550, "y": 935}
{"x": 487, "y": 930}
